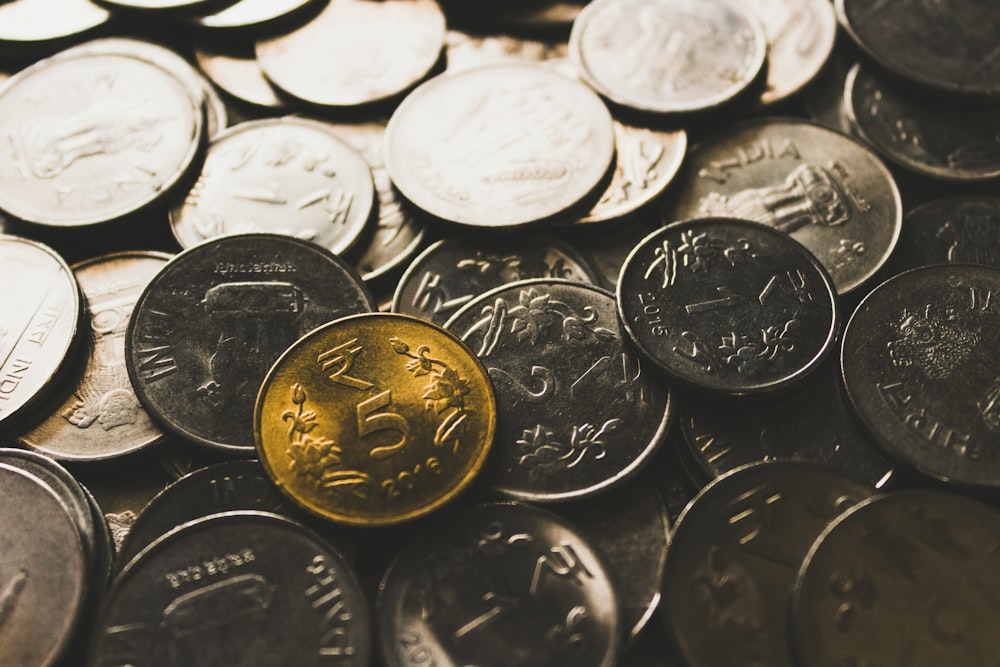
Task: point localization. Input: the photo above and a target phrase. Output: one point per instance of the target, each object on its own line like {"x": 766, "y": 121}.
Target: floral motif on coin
{"x": 545, "y": 456}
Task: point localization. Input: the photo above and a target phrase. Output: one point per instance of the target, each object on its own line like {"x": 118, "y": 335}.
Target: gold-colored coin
{"x": 375, "y": 419}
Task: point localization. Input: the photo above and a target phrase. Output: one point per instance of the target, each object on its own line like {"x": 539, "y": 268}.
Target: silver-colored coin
{"x": 499, "y": 146}
{"x": 356, "y": 52}
{"x": 27, "y": 22}
{"x": 42, "y": 573}
{"x": 903, "y": 579}
{"x": 577, "y": 413}
{"x": 495, "y": 586}
{"x": 39, "y": 321}
{"x": 92, "y": 138}
{"x": 467, "y": 51}
{"x": 452, "y": 272}
{"x": 827, "y": 191}
{"x": 927, "y": 136}
{"x": 236, "y": 71}
{"x": 823, "y": 99}
{"x": 734, "y": 554}
{"x": 288, "y": 176}
{"x": 668, "y": 56}
{"x": 253, "y": 13}
{"x": 954, "y": 230}
{"x": 102, "y": 418}
{"x": 237, "y": 588}
{"x": 800, "y": 36}
{"x": 606, "y": 246}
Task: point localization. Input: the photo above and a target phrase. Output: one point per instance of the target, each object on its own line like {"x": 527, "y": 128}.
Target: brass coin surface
{"x": 374, "y": 419}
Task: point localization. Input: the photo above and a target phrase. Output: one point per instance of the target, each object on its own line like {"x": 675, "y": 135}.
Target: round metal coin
{"x": 499, "y": 146}
{"x": 956, "y": 230}
{"x": 209, "y": 325}
{"x": 904, "y": 579}
{"x": 253, "y": 13}
{"x": 576, "y": 412}
{"x": 288, "y": 176}
{"x": 102, "y": 418}
{"x": 235, "y": 71}
{"x": 728, "y": 305}
{"x": 828, "y": 192}
{"x": 921, "y": 365}
{"x": 28, "y": 22}
{"x": 668, "y": 56}
{"x": 498, "y": 585}
{"x": 375, "y": 419}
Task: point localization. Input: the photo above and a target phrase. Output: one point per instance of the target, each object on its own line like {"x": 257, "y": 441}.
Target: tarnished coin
{"x": 209, "y": 325}
{"x": 30, "y": 22}
{"x": 375, "y": 419}
{"x": 733, "y": 558}
{"x": 102, "y": 418}
{"x": 956, "y": 230}
{"x": 42, "y": 573}
{"x": 499, "y": 146}
{"x": 904, "y": 579}
{"x": 92, "y": 138}
{"x": 815, "y": 423}
{"x": 823, "y": 99}
{"x": 921, "y": 365}
{"x": 237, "y": 588}
{"x": 949, "y": 46}
{"x": 605, "y": 247}
{"x": 498, "y": 585}
{"x": 729, "y": 306}
{"x": 827, "y": 191}
{"x": 668, "y": 56}
{"x": 934, "y": 138}
{"x": 800, "y": 38}
{"x": 287, "y": 176}
{"x": 234, "y": 69}
{"x": 466, "y": 51}
{"x": 454, "y": 271}
{"x": 356, "y": 52}
{"x": 39, "y": 320}
{"x": 253, "y": 13}
{"x": 577, "y": 413}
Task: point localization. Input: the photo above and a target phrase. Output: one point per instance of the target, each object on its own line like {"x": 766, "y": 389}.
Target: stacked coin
{"x": 627, "y": 403}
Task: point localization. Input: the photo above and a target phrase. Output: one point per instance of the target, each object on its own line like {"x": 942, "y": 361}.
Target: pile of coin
{"x": 427, "y": 333}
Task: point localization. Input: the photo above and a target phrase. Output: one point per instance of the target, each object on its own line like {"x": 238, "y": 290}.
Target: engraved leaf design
{"x": 298, "y": 394}
{"x": 398, "y": 346}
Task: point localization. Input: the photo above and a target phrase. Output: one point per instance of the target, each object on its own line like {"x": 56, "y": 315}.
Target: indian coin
{"x": 209, "y": 325}
{"x": 903, "y": 579}
{"x": 500, "y": 145}
{"x": 729, "y": 306}
{"x": 253, "y": 13}
{"x": 93, "y": 137}
{"x": 39, "y": 321}
{"x": 288, "y": 176}
{"x": 668, "y": 56}
{"x": 498, "y": 585}
{"x": 577, "y": 413}
{"x": 815, "y": 423}
{"x": 950, "y": 47}
{"x": 234, "y": 69}
{"x": 356, "y": 52}
{"x": 921, "y": 367}
{"x": 29, "y": 22}
{"x": 605, "y": 247}
{"x": 733, "y": 558}
{"x": 958, "y": 230}
{"x": 929, "y": 137}
{"x": 375, "y": 419}
{"x": 236, "y": 588}
{"x": 828, "y": 192}
{"x": 452, "y": 272}
{"x": 102, "y": 418}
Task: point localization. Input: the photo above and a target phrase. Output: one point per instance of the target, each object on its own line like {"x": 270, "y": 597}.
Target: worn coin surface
{"x": 903, "y": 579}
{"x": 668, "y": 56}
{"x": 287, "y": 176}
{"x": 452, "y": 272}
{"x": 957, "y": 230}
{"x": 28, "y": 22}
{"x": 827, "y": 191}
{"x": 42, "y": 573}
{"x": 93, "y": 137}
{"x": 375, "y": 419}
{"x": 499, "y": 145}
{"x": 577, "y": 413}
{"x": 236, "y": 588}
{"x": 356, "y": 52}
{"x": 102, "y": 418}
{"x": 39, "y": 320}
{"x": 234, "y": 69}
{"x": 209, "y": 325}
{"x": 948, "y": 46}
{"x": 734, "y": 554}
{"x": 466, "y": 51}
{"x": 498, "y": 585}
{"x": 930, "y": 137}
{"x": 726, "y": 305}
{"x": 921, "y": 366}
